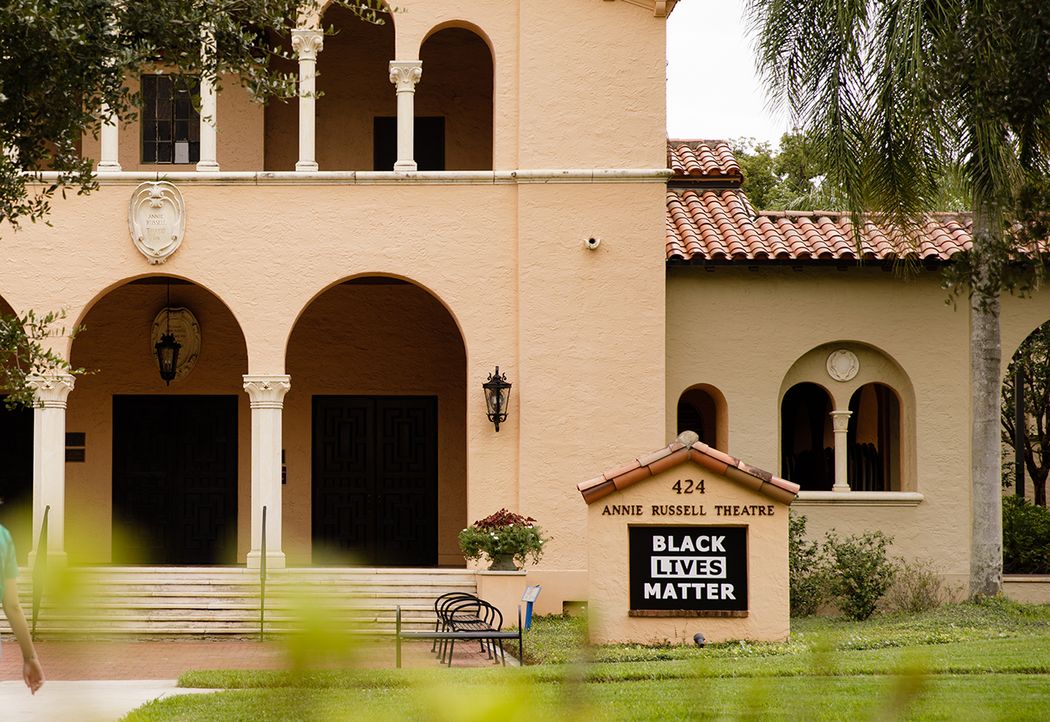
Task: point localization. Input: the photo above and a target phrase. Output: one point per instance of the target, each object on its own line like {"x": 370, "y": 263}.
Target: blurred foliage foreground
{"x": 988, "y": 660}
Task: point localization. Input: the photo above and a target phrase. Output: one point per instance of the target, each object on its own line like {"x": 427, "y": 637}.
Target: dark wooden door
{"x": 375, "y": 478}
{"x": 16, "y": 475}
{"x": 175, "y": 479}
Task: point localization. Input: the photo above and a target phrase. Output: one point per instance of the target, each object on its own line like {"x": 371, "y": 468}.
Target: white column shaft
{"x": 49, "y": 460}
{"x": 267, "y": 403}
{"x": 840, "y": 427}
{"x": 110, "y": 141}
{"x": 307, "y": 44}
{"x": 404, "y": 74}
{"x": 209, "y": 141}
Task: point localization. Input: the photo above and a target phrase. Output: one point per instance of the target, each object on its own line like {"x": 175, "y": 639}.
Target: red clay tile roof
{"x": 703, "y": 160}
{"x": 687, "y": 448}
{"x": 721, "y": 225}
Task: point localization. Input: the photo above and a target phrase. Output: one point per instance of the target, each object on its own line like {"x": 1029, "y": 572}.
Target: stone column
{"x": 267, "y": 402}
{"x": 307, "y": 44}
{"x": 209, "y": 144}
{"x": 404, "y": 74}
{"x": 110, "y": 140}
{"x": 840, "y": 425}
{"x": 49, "y": 461}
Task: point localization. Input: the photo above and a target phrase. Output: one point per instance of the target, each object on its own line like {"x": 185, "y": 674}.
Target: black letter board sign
{"x": 701, "y": 568}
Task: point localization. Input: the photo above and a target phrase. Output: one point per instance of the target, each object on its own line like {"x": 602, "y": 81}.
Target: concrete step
{"x": 202, "y": 601}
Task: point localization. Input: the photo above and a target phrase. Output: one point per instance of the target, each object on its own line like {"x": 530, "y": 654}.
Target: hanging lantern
{"x": 167, "y": 348}
{"x": 497, "y": 397}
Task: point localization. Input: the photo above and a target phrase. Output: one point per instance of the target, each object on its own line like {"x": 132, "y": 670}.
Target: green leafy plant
{"x": 860, "y": 571}
{"x": 23, "y": 354}
{"x": 808, "y": 567}
{"x": 1026, "y": 537}
{"x": 503, "y": 533}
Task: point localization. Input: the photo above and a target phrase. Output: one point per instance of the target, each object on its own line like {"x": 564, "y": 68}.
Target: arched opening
{"x": 16, "y": 467}
{"x": 355, "y": 98}
{"x": 1027, "y": 424}
{"x": 454, "y": 102}
{"x": 702, "y": 408}
{"x": 806, "y": 437}
{"x": 873, "y": 439}
{"x": 163, "y": 472}
{"x": 376, "y": 453}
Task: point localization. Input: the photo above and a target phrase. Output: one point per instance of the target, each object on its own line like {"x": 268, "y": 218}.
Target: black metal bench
{"x": 447, "y": 632}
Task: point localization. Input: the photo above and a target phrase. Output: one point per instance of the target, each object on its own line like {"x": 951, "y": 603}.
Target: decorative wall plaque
{"x": 157, "y": 219}
{"x": 843, "y": 364}
{"x": 186, "y": 330}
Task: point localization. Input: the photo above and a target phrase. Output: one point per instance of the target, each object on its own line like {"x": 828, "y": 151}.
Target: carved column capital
{"x": 405, "y": 74}
{"x": 51, "y": 390}
{"x": 840, "y": 421}
{"x": 267, "y": 392}
{"x": 307, "y": 43}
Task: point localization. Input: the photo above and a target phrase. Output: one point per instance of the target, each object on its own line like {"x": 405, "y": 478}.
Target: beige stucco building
{"x": 349, "y": 288}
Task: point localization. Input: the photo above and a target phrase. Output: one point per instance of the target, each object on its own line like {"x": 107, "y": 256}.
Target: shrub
{"x": 503, "y": 533}
{"x": 807, "y": 565}
{"x": 861, "y": 571}
{"x": 916, "y": 588}
{"x": 1026, "y": 537}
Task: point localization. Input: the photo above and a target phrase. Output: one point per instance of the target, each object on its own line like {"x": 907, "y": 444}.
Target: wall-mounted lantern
{"x": 497, "y": 397}
{"x": 168, "y": 349}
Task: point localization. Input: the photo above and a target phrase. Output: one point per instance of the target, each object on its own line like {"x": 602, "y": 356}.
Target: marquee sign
{"x": 688, "y": 568}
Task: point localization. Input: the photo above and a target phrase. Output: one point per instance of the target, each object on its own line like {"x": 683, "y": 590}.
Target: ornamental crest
{"x": 157, "y": 219}
{"x": 843, "y": 365}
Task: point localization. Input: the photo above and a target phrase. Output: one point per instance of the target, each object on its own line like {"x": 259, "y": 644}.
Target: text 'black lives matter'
{"x": 702, "y": 568}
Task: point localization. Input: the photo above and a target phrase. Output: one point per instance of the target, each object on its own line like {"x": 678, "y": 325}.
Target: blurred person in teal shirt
{"x": 32, "y": 672}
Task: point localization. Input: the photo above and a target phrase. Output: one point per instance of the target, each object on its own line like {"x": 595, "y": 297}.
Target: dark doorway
{"x": 428, "y": 143}
{"x": 375, "y": 478}
{"x": 16, "y": 475}
{"x": 175, "y": 478}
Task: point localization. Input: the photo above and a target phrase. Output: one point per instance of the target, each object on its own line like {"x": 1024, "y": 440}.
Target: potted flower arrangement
{"x": 505, "y": 538}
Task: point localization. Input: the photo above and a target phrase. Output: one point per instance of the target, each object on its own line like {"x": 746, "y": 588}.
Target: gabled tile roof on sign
{"x": 687, "y": 448}
{"x": 703, "y": 160}
{"x": 721, "y": 225}
{"x": 710, "y": 219}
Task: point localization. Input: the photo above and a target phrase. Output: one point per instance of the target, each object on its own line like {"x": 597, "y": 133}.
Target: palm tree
{"x": 899, "y": 94}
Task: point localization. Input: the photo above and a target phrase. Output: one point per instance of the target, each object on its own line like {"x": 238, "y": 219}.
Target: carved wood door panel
{"x": 175, "y": 479}
{"x": 375, "y": 478}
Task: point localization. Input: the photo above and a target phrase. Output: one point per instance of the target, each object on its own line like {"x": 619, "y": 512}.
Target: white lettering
{"x": 652, "y": 591}
{"x": 659, "y": 544}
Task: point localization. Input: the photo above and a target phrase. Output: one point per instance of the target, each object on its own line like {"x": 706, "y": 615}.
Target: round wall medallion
{"x": 843, "y": 364}
{"x": 185, "y": 329}
{"x": 157, "y": 220}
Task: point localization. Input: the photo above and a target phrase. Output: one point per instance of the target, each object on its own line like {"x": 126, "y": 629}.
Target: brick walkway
{"x": 144, "y": 660}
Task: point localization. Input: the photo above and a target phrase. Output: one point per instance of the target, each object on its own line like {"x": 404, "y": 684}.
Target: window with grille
{"x": 170, "y": 124}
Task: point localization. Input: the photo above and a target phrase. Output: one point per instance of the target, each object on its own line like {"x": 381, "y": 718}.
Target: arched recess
{"x": 16, "y": 467}
{"x": 1032, "y": 360}
{"x": 454, "y": 100}
{"x": 874, "y": 438}
{"x": 354, "y": 97}
{"x": 376, "y": 427}
{"x": 841, "y": 369}
{"x": 165, "y": 474}
{"x": 702, "y": 408}
{"x": 807, "y": 446}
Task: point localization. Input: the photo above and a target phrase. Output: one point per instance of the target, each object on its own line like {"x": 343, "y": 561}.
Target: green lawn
{"x": 970, "y": 661}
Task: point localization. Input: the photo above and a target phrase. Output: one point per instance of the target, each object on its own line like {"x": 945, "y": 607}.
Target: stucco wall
{"x": 579, "y": 333}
